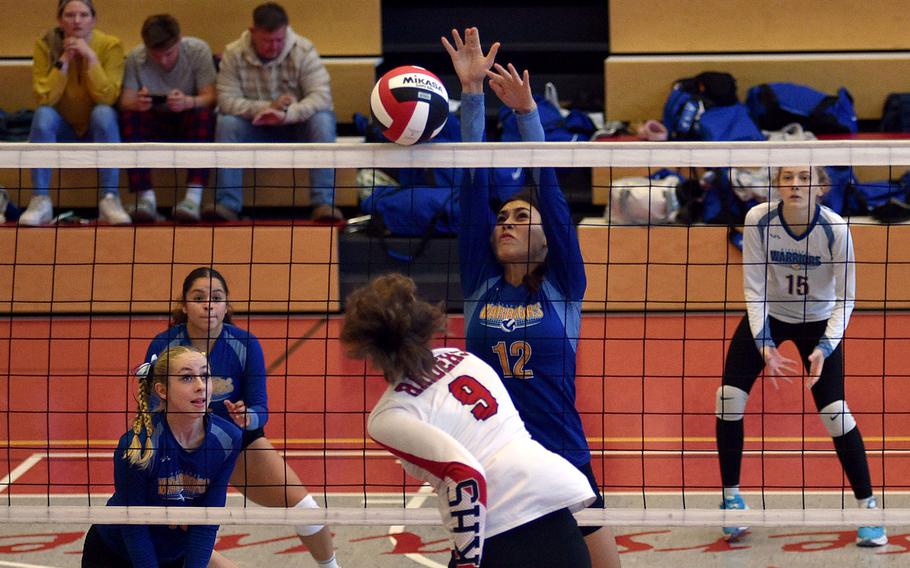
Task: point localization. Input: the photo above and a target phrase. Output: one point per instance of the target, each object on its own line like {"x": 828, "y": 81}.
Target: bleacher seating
{"x": 346, "y": 33}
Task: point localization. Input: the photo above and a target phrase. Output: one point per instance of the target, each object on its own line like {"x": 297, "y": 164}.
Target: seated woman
{"x": 76, "y": 75}
{"x": 180, "y": 456}
{"x": 505, "y": 500}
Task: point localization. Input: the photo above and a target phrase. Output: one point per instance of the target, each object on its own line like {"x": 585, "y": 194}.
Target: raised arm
{"x": 565, "y": 264}
{"x": 441, "y": 460}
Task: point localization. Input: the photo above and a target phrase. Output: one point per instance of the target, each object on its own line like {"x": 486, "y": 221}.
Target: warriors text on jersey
{"x": 458, "y": 430}
{"x": 805, "y": 278}
{"x": 174, "y": 478}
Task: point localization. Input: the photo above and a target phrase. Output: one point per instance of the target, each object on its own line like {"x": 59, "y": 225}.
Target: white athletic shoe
{"x": 111, "y": 211}
{"x": 39, "y": 211}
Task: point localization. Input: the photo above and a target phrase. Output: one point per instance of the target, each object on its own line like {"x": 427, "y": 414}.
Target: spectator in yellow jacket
{"x": 76, "y": 77}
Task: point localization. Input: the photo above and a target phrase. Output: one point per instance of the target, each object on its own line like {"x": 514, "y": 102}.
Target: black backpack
{"x": 896, "y": 114}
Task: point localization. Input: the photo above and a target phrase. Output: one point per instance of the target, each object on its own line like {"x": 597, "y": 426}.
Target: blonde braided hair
{"x": 149, "y": 374}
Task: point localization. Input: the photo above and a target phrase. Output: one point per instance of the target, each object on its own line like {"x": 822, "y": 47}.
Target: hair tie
{"x": 145, "y": 370}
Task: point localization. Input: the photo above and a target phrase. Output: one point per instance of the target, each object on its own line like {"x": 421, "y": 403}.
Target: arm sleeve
{"x": 755, "y": 282}
{"x": 564, "y": 261}
{"x": 475, "y": 252}
{"x": 457, "y": 476}
{"x": 201, "y": 538}
{"x": 48, "y": 82}
{"x": 130, "y": 483}
{"x": 230, "y": 92}
{"x": 315, "y": 88}
{"x": 844, "y": 290}
{"x": 105, "y": 77}
{"x": 255, "y": 395}
{"x": 473, "y": 116}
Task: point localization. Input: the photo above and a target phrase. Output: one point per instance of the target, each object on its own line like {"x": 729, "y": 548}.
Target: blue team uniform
{"x": 175, "y": 478}
{"x": 237, "y": 367}
{"x": 514, "y": 330}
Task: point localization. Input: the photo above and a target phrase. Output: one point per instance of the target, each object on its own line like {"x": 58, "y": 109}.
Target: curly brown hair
{"x": 385, "y": 322}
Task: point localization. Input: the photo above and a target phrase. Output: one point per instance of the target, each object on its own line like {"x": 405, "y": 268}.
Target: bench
{"x": 352, "y": 80}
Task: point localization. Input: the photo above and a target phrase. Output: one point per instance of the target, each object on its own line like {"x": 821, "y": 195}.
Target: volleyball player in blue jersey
{"x": 237, "y": 365}
{"x": 523, "y": 277}
{"x": 180, "y": 456}
{"x": 799, "y": 284}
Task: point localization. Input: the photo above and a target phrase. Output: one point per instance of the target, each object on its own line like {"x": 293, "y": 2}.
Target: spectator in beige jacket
{"x": 273, "y": 87}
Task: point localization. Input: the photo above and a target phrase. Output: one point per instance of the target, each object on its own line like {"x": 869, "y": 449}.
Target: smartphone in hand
{"x": 158, "y": 99}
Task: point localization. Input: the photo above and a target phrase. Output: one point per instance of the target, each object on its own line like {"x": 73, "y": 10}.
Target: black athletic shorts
{"x": 250, "y": 436}
{"x": 97, "y": 554}
{"x": 550, "y": 541}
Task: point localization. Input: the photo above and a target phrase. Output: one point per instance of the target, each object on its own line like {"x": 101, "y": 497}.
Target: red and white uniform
{"x": 458, "y": 430}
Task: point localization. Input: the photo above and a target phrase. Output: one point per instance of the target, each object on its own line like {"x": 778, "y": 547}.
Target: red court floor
{"x": 645, "y": 387}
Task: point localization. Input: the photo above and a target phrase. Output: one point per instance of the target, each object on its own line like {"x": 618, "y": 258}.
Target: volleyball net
{"x": 83, "y": 302}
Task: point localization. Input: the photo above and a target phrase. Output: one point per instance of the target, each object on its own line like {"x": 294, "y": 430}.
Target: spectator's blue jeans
{"x": 49, "y": 126}
{"x": 319, "y": 128}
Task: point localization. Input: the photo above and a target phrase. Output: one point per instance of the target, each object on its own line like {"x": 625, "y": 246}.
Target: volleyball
{"x": 411, "y": 104}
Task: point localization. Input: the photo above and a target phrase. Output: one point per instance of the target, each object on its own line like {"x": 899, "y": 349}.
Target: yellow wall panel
{"x": 680, "y": 26}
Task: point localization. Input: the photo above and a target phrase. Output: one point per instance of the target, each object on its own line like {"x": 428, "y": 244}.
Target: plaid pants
{"x": 196, "y": 125}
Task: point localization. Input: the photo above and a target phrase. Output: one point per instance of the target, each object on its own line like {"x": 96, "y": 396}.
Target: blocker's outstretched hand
{"x": 471, "y": 65}
{"x": 513, "y": 90}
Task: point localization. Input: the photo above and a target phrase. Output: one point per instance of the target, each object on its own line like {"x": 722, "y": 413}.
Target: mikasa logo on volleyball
{"x": 415, "y": 80}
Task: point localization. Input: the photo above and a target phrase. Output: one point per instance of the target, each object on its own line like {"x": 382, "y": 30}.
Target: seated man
{"x": 273, "y": 87}
{"x": 168, "y": 95}
{"x": 76, "y": 75}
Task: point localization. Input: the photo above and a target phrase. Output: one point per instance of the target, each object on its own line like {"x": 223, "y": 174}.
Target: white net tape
{"x": 490, "y": 154}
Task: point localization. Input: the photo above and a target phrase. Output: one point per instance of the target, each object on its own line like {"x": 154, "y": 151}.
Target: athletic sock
{"x": 730, "y": 435}
{"x": 852, "y": 455}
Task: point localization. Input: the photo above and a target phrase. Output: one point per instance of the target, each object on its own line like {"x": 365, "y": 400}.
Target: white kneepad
{"x": 307, "y": 530}
{"x": 731, "y": 403}
{"x": 837, "y": 418}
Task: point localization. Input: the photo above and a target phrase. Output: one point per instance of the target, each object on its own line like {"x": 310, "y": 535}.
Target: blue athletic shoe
{"x": 871, "y": 536}
{"x": 734, "y": 533}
